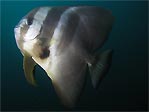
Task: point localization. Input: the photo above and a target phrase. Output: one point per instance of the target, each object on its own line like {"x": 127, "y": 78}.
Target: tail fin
{"x": 100, "y": 67}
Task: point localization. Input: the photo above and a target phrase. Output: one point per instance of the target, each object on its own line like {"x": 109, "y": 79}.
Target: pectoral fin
{"x": 28, "y": 66}
{"x": 100, "y": 67}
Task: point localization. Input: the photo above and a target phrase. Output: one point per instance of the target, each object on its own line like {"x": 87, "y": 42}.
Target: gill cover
{"x": 33, "y": 31}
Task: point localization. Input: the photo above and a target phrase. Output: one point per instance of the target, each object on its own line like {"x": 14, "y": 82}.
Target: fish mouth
{"x": 17, "y": 26}
{"x": 18, "y": 37}
{"x": 17, "y": 32}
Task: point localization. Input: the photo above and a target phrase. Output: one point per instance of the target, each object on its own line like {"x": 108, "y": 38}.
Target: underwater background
{"x": 123, "y": 88}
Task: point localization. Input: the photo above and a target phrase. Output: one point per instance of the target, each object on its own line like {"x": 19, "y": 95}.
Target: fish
{"x": 64, "y": 42}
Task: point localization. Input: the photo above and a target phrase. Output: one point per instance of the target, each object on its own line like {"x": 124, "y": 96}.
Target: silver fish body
{"x": 63, "y": 41}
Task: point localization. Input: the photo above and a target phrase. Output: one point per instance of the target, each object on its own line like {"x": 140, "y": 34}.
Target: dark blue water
{"x": 124, "y": 87}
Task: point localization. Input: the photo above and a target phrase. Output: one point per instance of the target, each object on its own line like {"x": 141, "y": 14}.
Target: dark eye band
{"x": 29, "y": 21}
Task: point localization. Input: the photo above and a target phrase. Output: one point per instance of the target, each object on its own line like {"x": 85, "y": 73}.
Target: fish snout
{"x": 17, "y": 32}
{"x": 18, "y": 38}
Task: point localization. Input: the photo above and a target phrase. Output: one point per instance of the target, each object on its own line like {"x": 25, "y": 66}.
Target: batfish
{"x": 64, "y": 42}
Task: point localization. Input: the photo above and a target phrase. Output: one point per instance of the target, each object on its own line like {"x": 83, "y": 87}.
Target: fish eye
{"x": 29, "y": 21}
